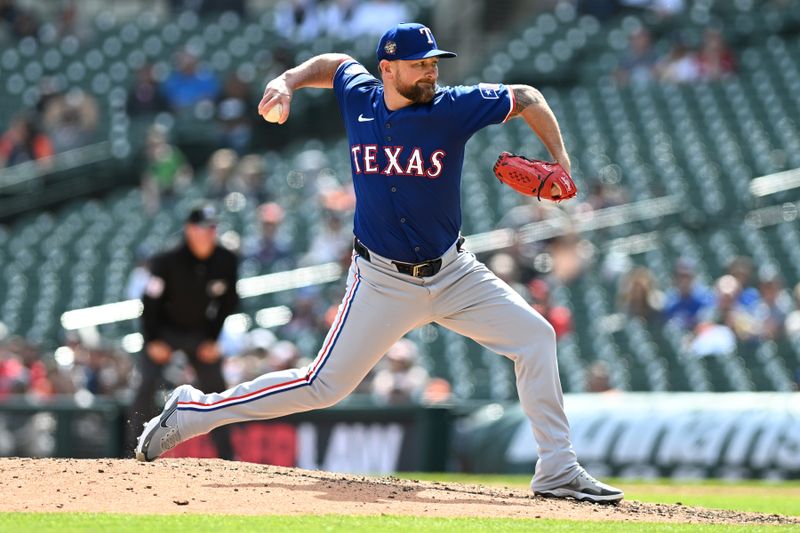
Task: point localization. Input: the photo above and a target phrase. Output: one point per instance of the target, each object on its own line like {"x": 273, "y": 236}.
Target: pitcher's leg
{"x": 368, "y": 322}
{"x": 209, "y": 377}
{"x": 482, "y": 307}
{"x": 143, "y": 407}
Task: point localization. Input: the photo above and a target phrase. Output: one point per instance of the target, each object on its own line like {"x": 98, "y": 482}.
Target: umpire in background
{"x": 190, "y": 293}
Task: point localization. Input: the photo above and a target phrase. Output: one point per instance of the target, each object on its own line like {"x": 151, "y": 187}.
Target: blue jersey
{"x": 407, "y": 163}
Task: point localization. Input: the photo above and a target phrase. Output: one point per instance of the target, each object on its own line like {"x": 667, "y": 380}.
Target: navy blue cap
{"x": 409, "y": 40}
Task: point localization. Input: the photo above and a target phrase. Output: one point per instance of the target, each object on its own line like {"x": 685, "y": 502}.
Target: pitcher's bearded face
{"x": 416, "y": 79}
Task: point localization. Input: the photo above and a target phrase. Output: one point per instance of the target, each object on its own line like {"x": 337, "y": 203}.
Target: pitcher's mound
{"x": 220, "y": 487}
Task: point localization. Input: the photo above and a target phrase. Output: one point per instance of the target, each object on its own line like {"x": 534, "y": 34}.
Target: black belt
{"x": 417, "y": 270}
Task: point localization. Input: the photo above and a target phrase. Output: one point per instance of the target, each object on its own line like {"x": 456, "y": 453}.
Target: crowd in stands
{"x": 744, "y": 306}
{"x": 710, "y": 60}
{"x": 66, "y": 118}
{"x": 60, "y": 121}
{"x": 98, "y": 368}
{"x": 306, "y": 20}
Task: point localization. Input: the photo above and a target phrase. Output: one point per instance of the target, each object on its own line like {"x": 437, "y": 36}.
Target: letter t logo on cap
{"x": 428, "y": 33}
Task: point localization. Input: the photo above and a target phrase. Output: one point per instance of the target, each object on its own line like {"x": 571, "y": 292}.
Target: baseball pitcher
{"x": 407, "y": 137}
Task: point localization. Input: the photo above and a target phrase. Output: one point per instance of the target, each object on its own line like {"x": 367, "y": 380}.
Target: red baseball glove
{"x": 533, "y": 177}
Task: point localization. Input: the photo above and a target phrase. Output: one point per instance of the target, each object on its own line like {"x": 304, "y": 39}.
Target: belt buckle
{"x": 417, "y": 269}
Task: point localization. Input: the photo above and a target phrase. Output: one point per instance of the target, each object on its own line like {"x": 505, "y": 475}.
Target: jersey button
{"x": 416, "y": 248}
{"x": 389, "y": 139}
{"x": 402, "y": 220}
{"x": 388, "y": 124}
{"x": 394, "y": 189}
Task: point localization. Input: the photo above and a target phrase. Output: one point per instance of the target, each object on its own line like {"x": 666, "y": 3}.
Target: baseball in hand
{"x": 274, "y": 114}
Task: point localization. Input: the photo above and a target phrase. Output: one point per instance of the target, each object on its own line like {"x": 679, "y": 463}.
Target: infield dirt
{"x": 203, "y": 486}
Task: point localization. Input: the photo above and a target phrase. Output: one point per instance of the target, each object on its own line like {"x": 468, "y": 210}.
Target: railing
{"x": 327, "y": 272}
{"x": 478, "y": 243}
{"x": 775, "y": 183}
{"x": 13, "y": 177}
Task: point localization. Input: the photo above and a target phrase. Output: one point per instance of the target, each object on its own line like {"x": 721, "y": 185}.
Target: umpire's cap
{"x": 409, "y": 40}
{"x": 203, "y": 214}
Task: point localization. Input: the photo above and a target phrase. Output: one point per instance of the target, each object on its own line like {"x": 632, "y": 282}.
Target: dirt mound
{"x": 218, "y": 487}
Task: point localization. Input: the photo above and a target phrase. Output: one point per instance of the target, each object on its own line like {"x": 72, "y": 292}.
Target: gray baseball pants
{"x": 379, "y": 307}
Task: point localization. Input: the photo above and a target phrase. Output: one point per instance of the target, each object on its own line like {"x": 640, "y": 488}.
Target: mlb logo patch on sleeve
{"x": 489, "y": 91}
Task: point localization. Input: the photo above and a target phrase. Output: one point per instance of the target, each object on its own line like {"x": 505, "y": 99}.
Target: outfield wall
{"x": 695, "y": 435}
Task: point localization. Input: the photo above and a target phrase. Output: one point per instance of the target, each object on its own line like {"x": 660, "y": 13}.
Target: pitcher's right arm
{"x": 316, "y": 72}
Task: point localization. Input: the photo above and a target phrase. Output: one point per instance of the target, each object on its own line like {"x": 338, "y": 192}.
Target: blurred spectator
{"x": 793, "y": 319}
{"x": 603, "y": 194}
{"x": 250, "y": 177}
{"x": 22, "y": 142}
{"x": 234, "y": 114}
{"x": 679, "y": 66}
{"x": 372, "y": 17}
{"x": 21, "y": 22}
{"x": 298, "y": 20}
{"x": 687, "y": 302}
{"x": 228, "y": 173}
{"x": 270, "y": 249}
{"x": 715, "y": 59}
{"x": 712, "y": 339}
{"x": 505, "y": 267}
{"x": 337, "y": 18}
{"x": 23, "y": 370}
{"x": 144, "y": 97}
{"x": 246, "y": 366}
{"x": 663, "y": 9}
{"x": 331, "y": 242}
{"x": 189, "y": 83}
{"x": 8, "y": 12}
{"x": 69, "y": 22}
{"x": 402, "y": 380}
{"x": 559, "y": 316}
{"x": 221, "y": 167}
{"x": 601, "y": 9}
{"x": 338, "y": 198}
{"x": 639, "y": 296}
{"x": 774, "y": 305}
{"x": 139, "y": 276}
{"x": 13, "y": 374}
{"x": 615, "y": 265}
{"x": 208, "y": 7}
{"x": 437, "y": 390}
{"x": 525, "y": 254}
{"x": 166, "y": 171}
{"x": 307, "y": 315}
{"x": 71, "y": 119}
{"x": 26, "y": 369}
{"x": 598, "y": 377}
{"x": 49, "y": 88}
{"x": 730, "y": 311}
{"x": 252, "y": 358}
{"x": 102, "y": 370}
{"x": 728, "y": 321}
{"x": 636, "y": 66}
{"x": 741, "y": 268}
{"x": 283, "y": 355}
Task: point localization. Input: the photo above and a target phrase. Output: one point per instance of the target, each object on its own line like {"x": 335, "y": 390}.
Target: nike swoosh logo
{"x": 361, "y": 118}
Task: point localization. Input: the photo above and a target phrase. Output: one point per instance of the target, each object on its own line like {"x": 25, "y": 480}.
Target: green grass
{"x": 85, "y": 522}
{"x": 755, "y": 496}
